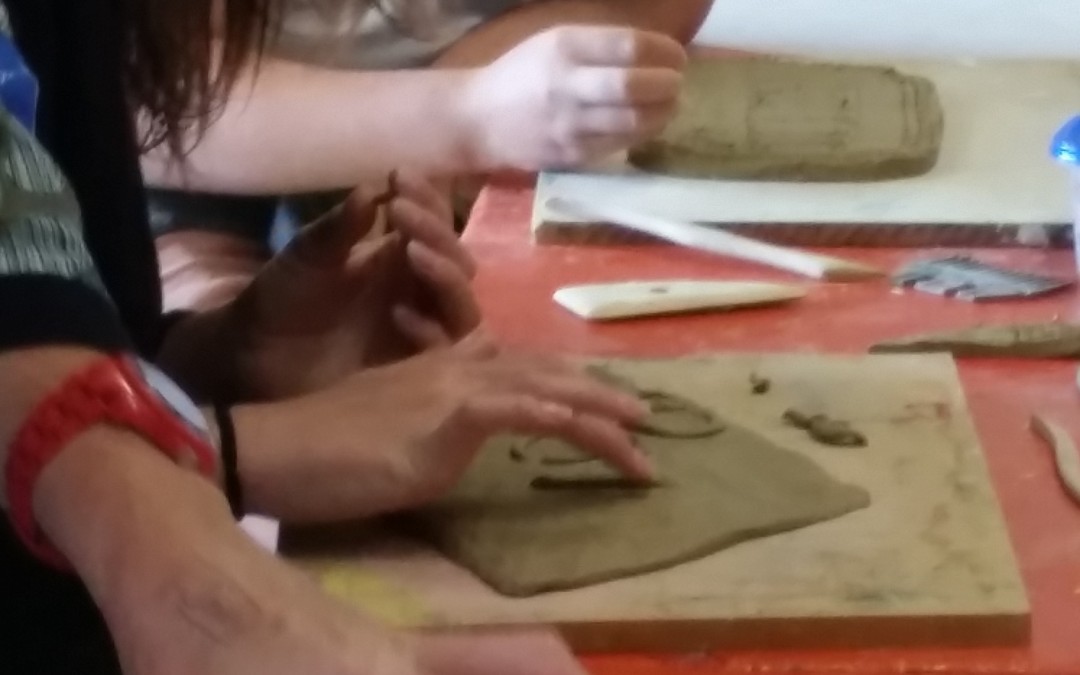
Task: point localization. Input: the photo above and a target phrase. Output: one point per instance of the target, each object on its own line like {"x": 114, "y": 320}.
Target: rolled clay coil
{"x": 1065, "y": 453}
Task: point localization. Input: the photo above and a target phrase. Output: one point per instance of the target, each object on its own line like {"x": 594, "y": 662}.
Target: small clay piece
{"x": 1048, "y": 340}
{"x": 759, "y": 385}
{"x": 615, "y": 483}
{"x": 566, "y": 461}
{"x": 773, "y": 119}
{"x": 676, "y": 417}
{"x": 826, "y": 430}
{"x": 1065, "y": 454}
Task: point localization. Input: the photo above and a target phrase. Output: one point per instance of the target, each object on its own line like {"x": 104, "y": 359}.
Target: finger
{"x": 424, "y": 333}
{"x": 582, "y": 393}
{"x": 371, "y": 257}
{"x": 608, "y": 441}
{"x": 491, "y": 414}
{"x": 585, "y": 149}
{"x": 419, "y": 225}
{"x": 623, "y": 121}
{"x": 329, "y": 239}
{"x": 622, "y": 86}
{"x": 477, "y": 346}
{"x": 619, "y": 46}
{"x": 429, "y": 194}
{"x": 458, "y": 308}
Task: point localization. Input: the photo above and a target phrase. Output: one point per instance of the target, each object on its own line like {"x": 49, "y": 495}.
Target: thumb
{"x": 330, "y": 239}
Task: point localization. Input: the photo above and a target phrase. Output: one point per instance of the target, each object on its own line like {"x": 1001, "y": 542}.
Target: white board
{"x": 994, "y": 167}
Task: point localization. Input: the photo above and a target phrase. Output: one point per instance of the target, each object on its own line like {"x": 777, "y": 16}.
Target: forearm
{"x": 120, "y": 511}
{"x": 680, "y": 19}
{"x": 301, "y": 128}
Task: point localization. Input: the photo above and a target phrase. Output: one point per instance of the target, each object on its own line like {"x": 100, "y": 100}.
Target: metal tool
{"x": 965, "y": 278}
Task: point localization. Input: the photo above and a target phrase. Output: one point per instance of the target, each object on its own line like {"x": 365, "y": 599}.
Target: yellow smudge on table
{"x": 374, "y": 594}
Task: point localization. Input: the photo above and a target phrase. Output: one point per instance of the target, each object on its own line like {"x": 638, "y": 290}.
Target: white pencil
{"x": 715, "y": 240}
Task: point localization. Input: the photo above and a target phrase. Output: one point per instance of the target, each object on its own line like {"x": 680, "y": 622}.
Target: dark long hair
{"x": 183, "y": 58}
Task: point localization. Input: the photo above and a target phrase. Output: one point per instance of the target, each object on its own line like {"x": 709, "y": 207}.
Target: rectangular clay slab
{"x": 928, "y": 563}
{"x": 789, "y": 120}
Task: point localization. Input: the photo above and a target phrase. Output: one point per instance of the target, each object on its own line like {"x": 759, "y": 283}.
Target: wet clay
{"x": 1066, "y": 457}
{"x": 770, "y": 119}
{"x": 759, "y": 385}
{"x": 826, "y": 430}
{"x": 1034, "y": 340}
{"x": 538, "y": 525}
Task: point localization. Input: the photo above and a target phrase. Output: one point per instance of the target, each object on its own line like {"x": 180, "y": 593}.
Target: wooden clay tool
{"x": 714, "y": 240}
{"x": 597, "y": 302}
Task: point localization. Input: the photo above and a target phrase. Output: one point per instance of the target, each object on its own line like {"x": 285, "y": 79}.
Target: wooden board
{"x": 928, "y": 562}
{"x": 994, "y": 183}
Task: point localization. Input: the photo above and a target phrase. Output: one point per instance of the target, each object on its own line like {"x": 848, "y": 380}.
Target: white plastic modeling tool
{"x": 598, "y": 302}
{"x": 715, "y": 240}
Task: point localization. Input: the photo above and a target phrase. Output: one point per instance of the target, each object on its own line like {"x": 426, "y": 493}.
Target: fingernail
{"x": 643, "y": 466}
{"x": 420, "y": 252}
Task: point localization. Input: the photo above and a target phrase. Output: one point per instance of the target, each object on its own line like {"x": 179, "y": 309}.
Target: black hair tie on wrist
{"x": 234, "y": 492}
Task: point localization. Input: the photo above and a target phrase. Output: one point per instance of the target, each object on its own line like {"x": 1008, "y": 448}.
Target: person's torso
{"x": 379, "y": 34}
{"x": 83, "y": 122}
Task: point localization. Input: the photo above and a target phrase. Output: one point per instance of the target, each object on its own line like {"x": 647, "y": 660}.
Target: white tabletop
{"x": 1041, "y": 29}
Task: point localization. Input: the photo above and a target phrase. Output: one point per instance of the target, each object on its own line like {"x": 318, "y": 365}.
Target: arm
{"x": 353, "y": 124}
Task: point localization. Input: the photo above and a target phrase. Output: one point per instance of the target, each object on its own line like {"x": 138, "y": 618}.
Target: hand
{"x": 399, "y": 436}
{"x": 573, "y": 94}
{"x": 183, "y": 590}
{"x": 350, "y": 292}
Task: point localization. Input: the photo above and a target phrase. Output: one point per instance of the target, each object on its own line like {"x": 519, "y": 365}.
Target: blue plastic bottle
{"x": 1065, "y": 148}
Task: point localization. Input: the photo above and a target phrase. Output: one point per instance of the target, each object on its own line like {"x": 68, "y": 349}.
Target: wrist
{"x": 123, "y": 514}
{"x": 199, "y": 354}
{"x": 472, "y": 119}
{"x": 260, "y": 433}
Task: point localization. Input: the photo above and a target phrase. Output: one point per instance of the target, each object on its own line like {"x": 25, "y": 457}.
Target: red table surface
{"x": 515, "y": 284}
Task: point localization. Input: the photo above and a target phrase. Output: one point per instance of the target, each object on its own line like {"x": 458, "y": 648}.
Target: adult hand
{"x": 362, "y": 286}
{"x": 573, "y": 94}
{"x": 184, "y": 591}
{"x": 398, "y": 436}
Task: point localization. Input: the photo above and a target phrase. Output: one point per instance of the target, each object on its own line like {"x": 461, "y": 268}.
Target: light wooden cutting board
{"x": 994, "y": 184}
{"x": 928, "y": 562}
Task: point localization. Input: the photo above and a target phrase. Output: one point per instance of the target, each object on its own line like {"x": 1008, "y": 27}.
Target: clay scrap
{"x": 826, "y": 430}
{"x": 1066, "y": 457}
{"x": 559, "y": 519}
{"x": 773, "y": 119}
{"x": 759, "y": 385}
{"x": 1033, "y": 340}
